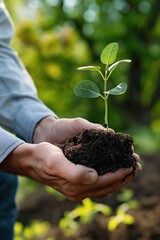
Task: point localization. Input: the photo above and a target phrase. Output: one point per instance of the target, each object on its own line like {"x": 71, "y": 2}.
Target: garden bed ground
{"x": 146, "y": 186}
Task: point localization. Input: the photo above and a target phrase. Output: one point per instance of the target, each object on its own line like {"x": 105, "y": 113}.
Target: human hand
{"x": 46, "y": 163}
{"x": 57, "y": 131}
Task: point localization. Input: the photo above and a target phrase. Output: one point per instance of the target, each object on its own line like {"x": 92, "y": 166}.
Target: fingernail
{"x": 91, "y": 177}
{"x": 129, "y": 170}
{"x": 138, "y": 167}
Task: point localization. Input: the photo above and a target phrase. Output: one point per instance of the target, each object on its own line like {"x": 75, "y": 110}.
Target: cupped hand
{"x": 57, "y": 131}
{"x": 46, "y": 163}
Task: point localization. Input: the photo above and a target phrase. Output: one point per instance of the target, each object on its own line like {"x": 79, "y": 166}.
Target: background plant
{"x": 36, "y": 230}
{"x": 88, "y": 210}
{"x": 121, "y": 215}
{"x": 83, "y": 213}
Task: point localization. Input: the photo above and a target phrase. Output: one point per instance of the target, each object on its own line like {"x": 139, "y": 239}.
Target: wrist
{"x": 42, "y": 130}
{"x": 18, "y": 160}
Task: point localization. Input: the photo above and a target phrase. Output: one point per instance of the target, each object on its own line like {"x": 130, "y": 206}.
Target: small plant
{"x": 88, "y": 211}
{"x": 84, "y": 213}
{"x": 120, "y": 217}
{"x": 89, "y": 89}
{"x": 36, "y": 230}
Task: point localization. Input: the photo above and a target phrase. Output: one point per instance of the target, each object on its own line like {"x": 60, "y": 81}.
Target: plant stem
{"x": 106, "y": 99}
{"x": 106, "y": 111}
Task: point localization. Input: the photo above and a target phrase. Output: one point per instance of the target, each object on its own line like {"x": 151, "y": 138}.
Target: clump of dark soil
{"x": 101, "y": 150}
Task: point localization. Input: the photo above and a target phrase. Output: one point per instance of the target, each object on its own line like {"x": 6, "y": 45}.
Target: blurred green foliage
{"x": 89, "y": 210}
{"x": 84, "y": 213}
{"x": 54, "y": 37}
{"x": 36, "y": 230}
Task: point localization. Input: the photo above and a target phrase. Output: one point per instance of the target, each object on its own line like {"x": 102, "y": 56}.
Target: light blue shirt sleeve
{"x": 8, "y": 143}
{"x": 20, "y": 107}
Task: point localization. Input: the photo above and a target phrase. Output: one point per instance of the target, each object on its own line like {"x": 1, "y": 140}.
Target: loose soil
{"x": 101, "y": 150}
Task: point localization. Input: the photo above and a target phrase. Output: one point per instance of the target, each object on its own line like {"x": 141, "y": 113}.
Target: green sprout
{"x": 120, "y": 217}
{"x": 83, "y": 213}
{"x": 89, "y": 89}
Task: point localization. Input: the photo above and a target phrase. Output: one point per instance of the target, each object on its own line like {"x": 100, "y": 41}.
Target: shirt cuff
{"x": 27, "y": 118}
{"x": 8, "y": 143}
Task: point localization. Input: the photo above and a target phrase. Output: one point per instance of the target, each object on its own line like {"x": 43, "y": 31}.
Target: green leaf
{"x": 113, "y": 223}
{"x": 86, "y": 88}
{"x": 118, "y": 90}
{"x": 92, "y": 68}
{"x": 129, "y": 220}
{"x": 113, "y": 66}
{"x": 109, "y": 53}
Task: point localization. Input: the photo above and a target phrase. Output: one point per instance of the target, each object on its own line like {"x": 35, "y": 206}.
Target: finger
{"x": 112, "y": 188}
{"x": 100, "y": 188}
{"x": 110, "y": 130}
{"x": 110, "y": 178}
{"x": 83, "y": 175}
{"x": 116, "y": 186}
{"x": 104, "y": 191}
{"x": 79, "y": 124}
{"x": 138, "y": 167}
{"x": 75, "y": 174}
{"x": 136, "y": 157}
{"x": 132, "y": 149}
{"x": 113, "y": 177}
{"x": 103, "y": 182}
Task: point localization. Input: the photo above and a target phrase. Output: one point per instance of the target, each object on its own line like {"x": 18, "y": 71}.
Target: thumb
{"x": 76, "y": 174}
{"x": 83, "y": 175}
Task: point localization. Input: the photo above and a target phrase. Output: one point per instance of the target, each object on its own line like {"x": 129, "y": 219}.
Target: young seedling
{"x": 95, "y": 148}
{"x": 89, "y": 89}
